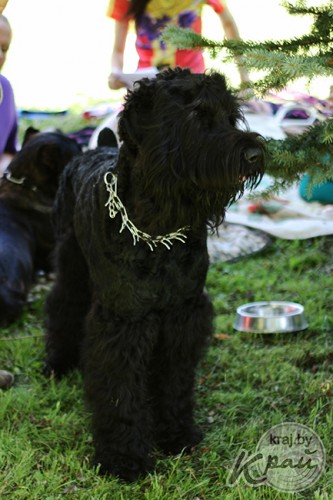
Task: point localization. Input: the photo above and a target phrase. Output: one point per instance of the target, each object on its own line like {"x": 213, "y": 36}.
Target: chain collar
{"x": 19, "y": 181}
{"x": 116, "y": 206}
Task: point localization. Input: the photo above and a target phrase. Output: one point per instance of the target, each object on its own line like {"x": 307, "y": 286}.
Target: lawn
{"x": 246, "y": 384}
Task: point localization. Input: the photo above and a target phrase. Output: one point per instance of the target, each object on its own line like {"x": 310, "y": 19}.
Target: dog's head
{"x": 41, "y": 160}
{"x": 181, "y": 131}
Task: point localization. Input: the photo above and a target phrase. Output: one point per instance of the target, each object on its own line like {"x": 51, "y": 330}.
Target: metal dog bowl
{"x": 270, "y": 317}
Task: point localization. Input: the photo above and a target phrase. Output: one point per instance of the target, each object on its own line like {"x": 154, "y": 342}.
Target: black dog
{"x": 128, "y": 301}
{"x": 27, "y": 192}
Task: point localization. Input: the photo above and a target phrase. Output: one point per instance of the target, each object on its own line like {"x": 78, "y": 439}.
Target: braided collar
{"x": 116, "y": 206}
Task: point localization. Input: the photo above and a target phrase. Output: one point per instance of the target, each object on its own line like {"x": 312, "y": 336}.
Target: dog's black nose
{"x": 252, "y": 155}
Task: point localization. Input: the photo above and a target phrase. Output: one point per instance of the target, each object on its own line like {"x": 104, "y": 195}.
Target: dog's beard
{"x": 192, "y": 186}
{"x": 188, "y": 204}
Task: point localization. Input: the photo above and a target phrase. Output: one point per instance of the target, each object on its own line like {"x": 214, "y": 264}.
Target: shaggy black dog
{"x": 128, "y": 303}
{"x": 27, "y": 192}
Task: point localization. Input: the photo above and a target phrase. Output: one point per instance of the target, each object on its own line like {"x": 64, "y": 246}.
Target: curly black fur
{"x": 27, "y": 193}
{"x": 137, "y": 320}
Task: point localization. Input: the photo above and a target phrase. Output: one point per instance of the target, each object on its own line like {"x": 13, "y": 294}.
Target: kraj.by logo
{"x": 289, "y": 457}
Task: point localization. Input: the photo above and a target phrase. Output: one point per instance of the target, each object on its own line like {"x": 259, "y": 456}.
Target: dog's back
{"x": 87, "y": 169}
{"x": 27, "y": 193}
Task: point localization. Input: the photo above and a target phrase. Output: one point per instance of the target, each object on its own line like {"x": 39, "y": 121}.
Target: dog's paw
{"x": 128, "y": 468}
{"x": 57, "y": 367}
{"x": 52, "y": 370}
{"x": 181, "y": 441}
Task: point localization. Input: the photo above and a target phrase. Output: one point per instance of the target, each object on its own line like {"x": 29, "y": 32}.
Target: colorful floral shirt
{"x": 151, "y": 49}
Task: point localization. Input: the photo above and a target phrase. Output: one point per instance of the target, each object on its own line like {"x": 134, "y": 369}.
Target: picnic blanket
{"x": 286, "y": 215}
{"x": 252, "y": 223}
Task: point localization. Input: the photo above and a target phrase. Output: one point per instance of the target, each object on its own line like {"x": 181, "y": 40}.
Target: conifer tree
{"x": 282, "y": 62}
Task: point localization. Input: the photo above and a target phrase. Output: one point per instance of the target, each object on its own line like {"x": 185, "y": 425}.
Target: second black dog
{"x": 128, "y": 302}
{"x": 27, "y": 192}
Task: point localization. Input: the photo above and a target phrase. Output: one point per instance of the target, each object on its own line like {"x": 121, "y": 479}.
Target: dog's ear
{"x": 107, "y": 138}
{"x": 48, "y": 158}
{"x": 139, "y": 105}
{"x": 29, "y": 133}
{"x": 51, "y": 157}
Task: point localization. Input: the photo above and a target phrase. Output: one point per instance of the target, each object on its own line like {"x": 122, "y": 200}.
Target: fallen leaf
{"x": 222, "y": 336}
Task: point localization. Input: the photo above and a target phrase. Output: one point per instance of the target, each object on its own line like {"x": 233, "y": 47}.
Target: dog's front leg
{"x": 184, "y": 336}
{"x": 116, "y": 355}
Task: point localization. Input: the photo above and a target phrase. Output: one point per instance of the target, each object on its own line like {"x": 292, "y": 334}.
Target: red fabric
{"x": 117, "y": 9}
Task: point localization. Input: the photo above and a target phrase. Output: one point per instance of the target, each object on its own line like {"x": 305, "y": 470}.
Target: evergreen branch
{"x": 185, "y": 38}
{"x": 312, "y": 152}
{"x": 283, "y": 67}
{"x": 302, "y": 8}
{"x": 283, "y": 62}
{"x": 291, "y": 66}
{"x": 188, "y": 39}
{"x": 304, "y": 43}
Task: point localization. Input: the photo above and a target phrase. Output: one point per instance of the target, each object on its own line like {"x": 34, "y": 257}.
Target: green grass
{"x": 246, "y": 384}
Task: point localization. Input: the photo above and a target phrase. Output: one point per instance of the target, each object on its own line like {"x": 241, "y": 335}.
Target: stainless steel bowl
{"x": 270, "y": 317}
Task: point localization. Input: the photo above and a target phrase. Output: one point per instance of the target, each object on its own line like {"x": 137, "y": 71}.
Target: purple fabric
{"x": 8, "y": 118}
